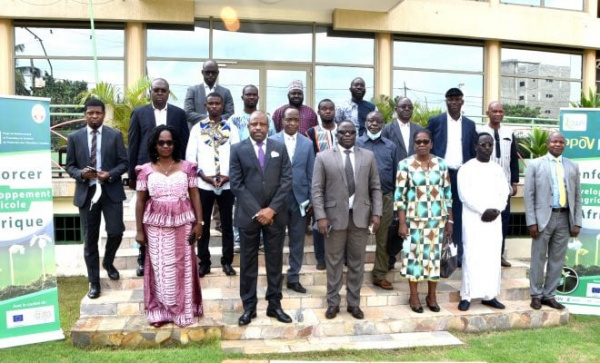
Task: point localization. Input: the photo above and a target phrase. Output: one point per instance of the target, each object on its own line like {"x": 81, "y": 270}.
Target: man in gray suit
{"x": 553, "y": 214}
{"x": 96, "y": 159}
{"x": 260, "y": 176}
{"x": 195, "y": 97}
{"x": 302, "y": 157}
{"x": 346, "y": 201}
{"x": 401, "y": 132}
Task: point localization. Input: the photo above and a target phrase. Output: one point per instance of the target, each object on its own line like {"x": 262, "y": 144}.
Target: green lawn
{"x": 577, "y": 342}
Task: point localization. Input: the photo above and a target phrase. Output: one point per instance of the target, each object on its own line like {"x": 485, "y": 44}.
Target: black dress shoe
{"x": 464, "y": 305}
{"x": 332, "y": 312}
{"x": 493, "y": 303}
{"x": 553, "y": 303}
{"x": 94, "y": 292}
{"x": 113, "y": 273}
{"x": 279, "y": 314}
{"x": 536, "y": 303}
{"x": 435, "y": 308}
{"x": 321, "y": 266}
{"x": 247, "y": 317}
{"x": 296, "y": 286}
{"x": 229, "y": 271}
{"x": 140, "y": 270}
{"x": 355, "y": 312}
{"x": 203, "y": 270}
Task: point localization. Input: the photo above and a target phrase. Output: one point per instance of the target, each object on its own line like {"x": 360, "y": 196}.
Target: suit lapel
{"x": 399, "y": 135}
{"x": 248, "y": 149}
{"x": 338, "y": 156}
{"x": 104, "y": 144}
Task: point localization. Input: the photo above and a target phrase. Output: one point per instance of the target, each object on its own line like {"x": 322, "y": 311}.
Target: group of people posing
{"x": 342, "y": 167}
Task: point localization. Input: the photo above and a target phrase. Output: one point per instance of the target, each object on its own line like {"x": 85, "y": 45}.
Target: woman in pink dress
{"x": 168, "y": 220}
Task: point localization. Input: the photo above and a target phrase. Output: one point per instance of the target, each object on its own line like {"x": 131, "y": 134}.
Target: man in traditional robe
{"x": 483, "y": 191}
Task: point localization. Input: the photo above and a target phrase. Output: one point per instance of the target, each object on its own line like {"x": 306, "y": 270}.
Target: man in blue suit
{"x": 143, "y": 120}
{"x": 454, "y": 139}
{"x": 302, "y": 157}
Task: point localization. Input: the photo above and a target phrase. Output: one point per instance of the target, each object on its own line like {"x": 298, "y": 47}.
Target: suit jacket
{"x": 194, "y": 103}
{"x": 330, "y": 189}
{"x": 114, "y": 160}
{"x": 302, "y": 165}
{"x": 256, "y": 189}
{"x": 392, "y": 132}
{"x": 439, "y": 132}
{"x": 538, "y": 192}
{"x": 140, "y": 126}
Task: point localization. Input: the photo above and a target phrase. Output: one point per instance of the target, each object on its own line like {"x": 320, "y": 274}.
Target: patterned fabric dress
{"x": 426, "y": 197}
{"x": 171, "y": 286}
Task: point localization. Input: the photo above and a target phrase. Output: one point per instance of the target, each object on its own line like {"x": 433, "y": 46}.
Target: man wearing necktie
{"x": 553, "y": 214}
{"x": 347, "y": 199}
{"x": 260, "y": 177}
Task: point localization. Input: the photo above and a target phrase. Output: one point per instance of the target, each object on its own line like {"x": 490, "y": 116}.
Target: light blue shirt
{"x": 98, "y": 148}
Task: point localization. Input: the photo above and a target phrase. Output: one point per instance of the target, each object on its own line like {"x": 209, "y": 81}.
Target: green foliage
{"x": 422, "y": 112}
{"x": 535, "y": 144}
{"x": 386, "y": 106}
{"x": 591, "y": 100}
{"x": 521, "y": 111}
{"x": 60, "y": 92}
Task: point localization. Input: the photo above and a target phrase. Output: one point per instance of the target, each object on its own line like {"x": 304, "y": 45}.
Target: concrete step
{"x": 310, "y": 325}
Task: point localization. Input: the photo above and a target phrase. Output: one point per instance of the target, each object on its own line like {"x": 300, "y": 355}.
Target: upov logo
{"x": 575, "y": 122}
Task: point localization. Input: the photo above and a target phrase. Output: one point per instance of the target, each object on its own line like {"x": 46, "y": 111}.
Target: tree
{"x": 386, "y": 106}
{"x": 521, "y": 111}
{"x": 592, "y": 100}
{"x": 422, "y": 112}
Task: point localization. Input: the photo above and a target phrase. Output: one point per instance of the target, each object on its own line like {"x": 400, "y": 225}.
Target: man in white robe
{"x": 483, "y": 191}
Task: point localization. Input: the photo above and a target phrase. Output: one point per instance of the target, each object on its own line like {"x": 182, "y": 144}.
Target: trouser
{"x": 380, "y": 268}
{"x": 505, "y": 215}
{"x": 456, "y": 214}
{"x": 225, "y": 202}
{"x": 296, "y": 231}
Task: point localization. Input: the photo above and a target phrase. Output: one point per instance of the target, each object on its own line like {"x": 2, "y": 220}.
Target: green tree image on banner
{"x": 28, "y": 292}
{"x": 579, "y": 287}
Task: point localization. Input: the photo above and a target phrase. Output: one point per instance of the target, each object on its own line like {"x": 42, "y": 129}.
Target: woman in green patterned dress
{"x": 424, "y": 202}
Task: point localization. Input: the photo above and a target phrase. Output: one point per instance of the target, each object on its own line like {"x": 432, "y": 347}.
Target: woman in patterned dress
{"x": 168, "y": 212}
{"x": 424, "y": 202}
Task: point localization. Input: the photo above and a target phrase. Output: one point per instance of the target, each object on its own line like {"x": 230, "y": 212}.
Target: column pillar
{"x": 589, "y": 70}
{"x": 491, "y": 75}
{"x": 383, "y": 65}
{"x": 135, "y": 52}
{"x": 7, "y": 57}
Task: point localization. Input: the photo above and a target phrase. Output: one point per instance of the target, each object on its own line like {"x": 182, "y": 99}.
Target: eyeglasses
{"x": 347, "y": 132}
{"x": 422, "y": 142}
{"x": 486, "y": 144}
{"x": 212, "y": 73}
{"x": 165, "y": 142}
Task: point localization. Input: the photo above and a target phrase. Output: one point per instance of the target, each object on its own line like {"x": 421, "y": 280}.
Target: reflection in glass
{"x": 430, "y": 88}
{"x": 277, "y": 84}
{"x": 235, "y": 80}
{"x": 334, "y": 83}
{"x": 537, "y": 63}
{"x": 179, "y": 74}
{"x": 253, "y": 41}
{"x": 335, "y": 49}
{"x": 558, "y": 4}
{"x": 69, "y": 42}
{"x": 178, "y": 43}
{"x": 438, "y": 56}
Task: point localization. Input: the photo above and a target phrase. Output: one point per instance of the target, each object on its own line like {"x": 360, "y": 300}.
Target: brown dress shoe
{"x": 536, "y": 303}
{"x": 383, "y": 283}
{"x": 505, "y": 263}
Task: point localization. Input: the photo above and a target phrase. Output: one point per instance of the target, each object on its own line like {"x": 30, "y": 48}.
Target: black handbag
{"x": 449, "y": 259}
{"x": 394, "y": 241}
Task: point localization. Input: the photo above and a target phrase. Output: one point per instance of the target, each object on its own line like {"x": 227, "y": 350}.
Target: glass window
{"x": 334, "y": 82}
{"x": 278, "y": 81}
{"x": 342, "y": 47}
{"x": 235, "y": 79}
{"x": 267, "y": 42}
{"x": 179, "y": 43}
{"x": 438, "y": 56}
{"x": 540, "y": 80}
{"x": 179, "y": 74}
{"x": 558, "y": 4}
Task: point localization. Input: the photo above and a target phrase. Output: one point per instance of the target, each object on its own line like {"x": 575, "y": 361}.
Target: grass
{"x": 576, "y": 342}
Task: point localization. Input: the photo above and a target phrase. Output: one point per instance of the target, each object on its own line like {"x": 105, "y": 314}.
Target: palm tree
{"x": 385, "y": 105}
{"x": 536, "y": 142}
{"x": 592, "y": 100}
{"x": 422, "y": 112}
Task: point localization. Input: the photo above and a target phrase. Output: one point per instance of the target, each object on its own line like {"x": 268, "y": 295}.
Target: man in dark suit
{"x": 346, "y": 200}
{"x": 96, "y": 159}
{"x": 553, "y": 214}
{"x": 302, "y": 156}
{"x": 401, "y": 132}
{"x": 195, "y": 97}
{"x": 260, "y": 176}
{"x": 143, "y": 120}
{"x": 454, "y": 139}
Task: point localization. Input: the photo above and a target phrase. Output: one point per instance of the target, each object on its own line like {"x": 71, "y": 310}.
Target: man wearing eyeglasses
{"x": 143, "y": 120}
{"x": 195, "y": 97}
{"x": 504, "y": 154}
{"x": 346, "y": 202}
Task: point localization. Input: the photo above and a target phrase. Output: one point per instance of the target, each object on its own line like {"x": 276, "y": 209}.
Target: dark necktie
{"x": 497, "y": 139}
{"x": 261, "y": 155}
{"x": 349, "y": 173}
{"x": 94, "y": 148}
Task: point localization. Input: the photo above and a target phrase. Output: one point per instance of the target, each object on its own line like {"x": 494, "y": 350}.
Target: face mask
{"x": 373, "y": 136}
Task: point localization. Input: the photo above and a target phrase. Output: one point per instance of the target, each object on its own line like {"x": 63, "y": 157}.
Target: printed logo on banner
{"x": 593, "y": 290}
{"x": 38, "y": 113}
{"x": 575, "y": 122}
{"x": 28, "y": 317}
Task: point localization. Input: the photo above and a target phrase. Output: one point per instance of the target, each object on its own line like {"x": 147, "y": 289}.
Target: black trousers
{"x": 457, "y": 208}
{"x": 90, "y": 220}
{"x": 225, "y": 203}
{"x": 273, "y": 242}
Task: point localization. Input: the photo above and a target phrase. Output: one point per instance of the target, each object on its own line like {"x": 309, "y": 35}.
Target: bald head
{"x": 495, "y": 112}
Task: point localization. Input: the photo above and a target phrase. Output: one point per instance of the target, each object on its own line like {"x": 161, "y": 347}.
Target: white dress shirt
{"x": 290, "y": 144}
{"x": 454, "y": 154}
{"x": 353, "y": 162}
{"x": 160, "y": 115}
{"x": 405, "y": 132}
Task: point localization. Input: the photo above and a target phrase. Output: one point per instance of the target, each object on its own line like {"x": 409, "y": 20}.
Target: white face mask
{"x": 373, "y": 136}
